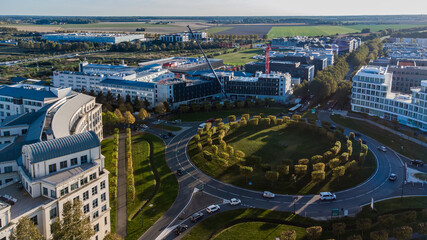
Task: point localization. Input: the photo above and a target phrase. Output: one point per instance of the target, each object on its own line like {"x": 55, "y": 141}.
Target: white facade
{"x": 371, "y": 94}
{"x": 93, "y": 37}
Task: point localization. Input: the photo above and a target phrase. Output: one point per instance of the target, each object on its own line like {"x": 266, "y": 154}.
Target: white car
{"x": 268, "y": 194}
{"x": 235, "y": 201}
{"x": 327, "y": 196}
{"x": 212, "y": 208}
{"x": 382, "y": 148}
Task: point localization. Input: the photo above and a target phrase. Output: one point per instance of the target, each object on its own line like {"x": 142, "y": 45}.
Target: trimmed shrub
{"x": 314, "y": 232}
{"x": 288, "y": 235}
{"x": 318, "y": 176}
{"x": 222, "y": 144}
{"x": 319, "y": 167}
{"x": 224, "y": 155}
{"x": 328, "y": 156}
{"x": 283, "y": 169}
{"x": 234, "y": 125}
{"x": 272, "y": 119}
{"x": 316, "y": 159}
{"x": 254, "y": 122}
{"x": 272, "y": 176}
{"x": 239, "y": 154}
{"x": 379, "y": 235}
{"x": 246, "y": 116}
{"x": 214, "y": 149}
{"x": 338, "y": 171}
{"x": 218, "y": 121}
{"x": 300, "y": 169}
{"x": 197, "y": 137}
{"x": 334, "y": 163}
{"x": 403, "y": 233}
{"x": 222, "y": 162}
{"x": 344, "y": 157}
{"x": 243, "y": 123}
{"x": 265, "y": 122}
{"x": 231, "y": 118}
{"x": 209, "y": 141}
{"x": 207, "y": 155}
{"x": 265, "y": 167}
{"x": 230, "y": 150}
{"x": 199, "y": 147}
{"x": 303, "y": 161}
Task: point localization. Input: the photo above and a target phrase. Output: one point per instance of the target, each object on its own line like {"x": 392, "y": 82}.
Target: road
{"x": 377, "y": 187}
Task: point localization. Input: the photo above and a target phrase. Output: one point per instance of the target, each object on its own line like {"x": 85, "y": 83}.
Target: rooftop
{"x": 60, "y": 177}
{"x": 128, "y": 83}
{"x": 31, "y": 94}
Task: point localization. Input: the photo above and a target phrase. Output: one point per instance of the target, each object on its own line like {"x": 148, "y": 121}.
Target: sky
{"x": 211, "y": 7}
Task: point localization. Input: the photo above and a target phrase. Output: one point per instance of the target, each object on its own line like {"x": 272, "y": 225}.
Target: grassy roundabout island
{"x": 285, "y": 156}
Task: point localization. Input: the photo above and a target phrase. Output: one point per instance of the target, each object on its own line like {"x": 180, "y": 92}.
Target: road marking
{"x": 233, "y": 194}
{"x": 219, "y": 189}
{"x": 247, "y": 197}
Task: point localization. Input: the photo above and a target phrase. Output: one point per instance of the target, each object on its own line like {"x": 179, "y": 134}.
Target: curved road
{"x": 376, "y": 187}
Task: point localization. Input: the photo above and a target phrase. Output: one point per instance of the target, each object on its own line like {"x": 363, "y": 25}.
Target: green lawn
{"x": 214, "y": 30}
{"x": 166, "y": 127}
{"x": 273, "y": 146}
{"x": 166, "y": 190}
{"x": 143, "y": 175}
{"x": 203, "y": 116}
{"x": 398, "y": 203}
{"x": 107, "y": 151}
{"x": 258, "y": 230}
{"x": 212, "y": 226}
{"x": 410, "y": 149}
{"x": 289, "y": 31}
{"x": 241, "y": 57}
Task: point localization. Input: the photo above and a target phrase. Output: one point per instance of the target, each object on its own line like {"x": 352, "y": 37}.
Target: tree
{"x": 386, "y": 221}
{"x": 283, "y": 169}
{"x": 146, "y": 103}
{"x": 403, "y": 233}
{"x": 288, "y": 235}
{"x": 231, "y": 118}
{"x": 109, "y": 119}
{"x": 333, "y": 163}
{"x": 73, "y": 224}
{"x": 25, "y": 230}
{"x": 246, "y": 171}
{"x": 128, "y": 118}
{"x": 314, "y": 232}
{"x": 363, "y": 224}
{"x": 300, "y": 169}
{"x": 338, "y": 228}
{"x": 272, "y": 176}
{"x": 143, "y": 114}
{"x": 160, "y": 108}
{"x": 319, "y": 167}
{"x": 379, "y": 235}
{"x": 119, "y": 115}
{"x": 167, "y": 106}
{"x": 354, "y": 237}
{"x": 113, "y": 236}
{"x": 183, "y": 108}
{"x": 137, "y": 104}
{"x": 338, "y": 171}
{"x": 318, "y": 176}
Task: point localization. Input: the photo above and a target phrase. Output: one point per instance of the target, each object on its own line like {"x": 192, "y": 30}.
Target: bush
{"x": 403, "y": 233}
{"x": 344, "y": 157}
{"x": 408, "y": 216}
{"x": 224, "y": 155}
{"x": 316, "y": 159}
{"x": 199, "y": 147}
{"x": 218, "y": 121}
{"x": 214, "y": 149}
{"x": 265, "y": 122}
{"x": 230, "y": 150}
{"x": 234, "y": 125}
{"x": 222, "y": 162}
{"x": 300, "y": 169}
{"x": 379, "y": 235}
{"x": 288, "y": 235}
{"x": 303, "y": 161}
{"x": 231, "y": 118}
{"x": 207, "y": 155}
{"x": 334, "y": 163}
{"x": 422, "y": 228}
{"x": 283, "y": 169}
{"x": 314, "y": 232}
{"x": 209, "y": 141}
{"x": 240, "y": 154}
{"x": 254, "y": 122}
{"x": 243, "y": 123}
{"x": 319, "y": 167}
{"x": 246, "y": 116}
{"x": 386, "y": 221}
{"x": 265, "y": 167}
{"x": 328, "y": 156}
{"x": 222, "y": 144}
{"x": 338, "y": 171}
{"x": 296, "y": 118}
{"x": 352, "y": 166}
{"x": 197, "y": 137}
{"x": 318, "y": 176}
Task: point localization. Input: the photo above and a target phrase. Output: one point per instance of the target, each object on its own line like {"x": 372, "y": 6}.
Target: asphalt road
{"x": 377, "y": 187}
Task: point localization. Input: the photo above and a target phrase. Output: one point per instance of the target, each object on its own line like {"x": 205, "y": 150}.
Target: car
{"x": 212, "y": 208}
{"x": 179, "y": 172}
{"x": 235, "y": 201}
{"x": 165, "y": 136}
{"x": 211, "y": 120}
{"x": 171, "y": 134}
{"x": 327, "y": 196}
{"x": 382, "y": 148}
{"x": 417, "y": 163}
{"x": 363, "y": 141}
{"x": 202, "y": 126}
{"x": 268, "y": 194}
{"x": 392, "y": 177}
{"x": 196, "y": 217}
{"x": 144, "y": 126}
{"x": 180, "y": 228}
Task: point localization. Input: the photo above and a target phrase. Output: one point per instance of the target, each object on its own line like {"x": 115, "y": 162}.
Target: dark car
{"x": 392, "y": 177}
{"x": 363, "y": 141}
{"x": 180, "y": 228}
{"x": 165, "y": 136}
{"x": 195, "y": 217}
{"x": 171, "y": 134}
{"x": 417, "y": 163}
{"x": 179, "y": 172}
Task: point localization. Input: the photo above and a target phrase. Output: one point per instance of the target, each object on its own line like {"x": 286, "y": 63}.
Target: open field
{"x": 240, "y": 57}
{"x": 398, "y": 144}
{"x": 258, "y": 230}
{"x": 288, "y": 31}
{"x": 214, "y": 30}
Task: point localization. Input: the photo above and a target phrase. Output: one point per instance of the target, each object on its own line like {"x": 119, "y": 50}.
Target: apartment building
{"x": 371, "y": 94}
{"x": 407, "y": 77}
{"x": 295, "y": 69}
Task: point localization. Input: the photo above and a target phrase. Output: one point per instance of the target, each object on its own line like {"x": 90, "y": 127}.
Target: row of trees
{"x": 114, "y": 163}
{"x": 368, "y": 51}
{"x": 130, "y": 176}
{"x": 156, "y": 46}
{"x": 217, "y": 105}
{"x": 49, "y": 46}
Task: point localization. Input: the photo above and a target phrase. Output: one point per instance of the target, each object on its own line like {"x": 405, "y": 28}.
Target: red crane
{"x": 267, "y": 59}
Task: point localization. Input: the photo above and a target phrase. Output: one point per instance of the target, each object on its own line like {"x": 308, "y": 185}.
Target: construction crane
{"x": 267, "y": 59}
{"x": 207, "y": 60}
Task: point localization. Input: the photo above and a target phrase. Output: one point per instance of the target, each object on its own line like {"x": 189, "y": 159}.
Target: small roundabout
{"x": 285, "y": 156}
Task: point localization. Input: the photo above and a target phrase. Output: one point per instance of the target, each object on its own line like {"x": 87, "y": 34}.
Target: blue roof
{"x": 46, "y": 150}
{"x": 236, "y": 73}
{"x": 149, "y": 66}
{"x": 128, "y": 83}
{"x": 93, "y": 65}
{"x": 31, "y": 94}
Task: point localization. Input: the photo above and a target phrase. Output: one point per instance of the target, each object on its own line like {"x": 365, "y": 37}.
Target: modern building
{"x": 184, "y": 37}
{"x": 371, "y": 94}
{"x": 274, "y": 85}
{"x": 295, "y": 69}
{"x": 318, "y": 62}
{"x": 407, "y": 77}
{"x": 112, "y": 38}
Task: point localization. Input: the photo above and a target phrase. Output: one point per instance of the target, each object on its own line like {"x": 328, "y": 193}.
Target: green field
{"x": 330, "y": 30}
{"x": 241, "y": 57}
{"x": 214, "y": 30}
{"x": 258, "y": 230}
{"x": 114, "y": 25}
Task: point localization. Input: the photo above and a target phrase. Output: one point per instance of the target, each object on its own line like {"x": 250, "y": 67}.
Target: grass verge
{"x": 165, "y": 192}
{"x": 258, "y": 230}
{"x": 107, "y": 151}
{"x": 240, "y": 57}
{"x": 395, "y": 142}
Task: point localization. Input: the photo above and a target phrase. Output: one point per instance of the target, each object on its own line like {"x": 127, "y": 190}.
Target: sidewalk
{"x": 121, "y": 188}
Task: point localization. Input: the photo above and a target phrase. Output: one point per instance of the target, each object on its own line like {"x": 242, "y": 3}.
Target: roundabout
{"x": 376, "y": 187}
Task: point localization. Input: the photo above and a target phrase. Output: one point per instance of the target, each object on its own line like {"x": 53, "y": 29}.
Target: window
{"x": 76, "y": 199}
{"x": 64, "y": 191}
{"x": 95, "y": 203}
{"x": 85, "y": 195}
{"x": 52, "y": 168}
{"x": 45, "y": 191}
{"x": 103, "y": 184}
{"x": 52, "y": 213}
{"x": 103, "y": 197}
{"x": 105, "y": 221}
{"x": 73, "y": 161}
{"x": 24, "y": 131}
{"x": 63, "y": 164}
{"x": 34, "y": 219}
{"x": 53, "y": 193}
{"x": 74, "y": 186}
{"x": 94, "y": 190}
{"x": 8, "y": 169}
{"x": 96, "y": 228}
{"x": 92, "y": 176}
{"x": 95, "y": 214}
{"x": 83, "y": 181}
{"x": 86, "y": 208}
{"x": 83, "y": 159}
{"x": 8, "y": 180}
{"x": 104, "y": 208}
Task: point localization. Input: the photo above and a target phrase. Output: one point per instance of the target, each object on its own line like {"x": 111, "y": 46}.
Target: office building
{"x": 407, "y": 77}
{"x": 371, "y": 94}
{"x": 111, "y": 38}
{"x": 184, "y": 37}
{"x": 295, "y": 69}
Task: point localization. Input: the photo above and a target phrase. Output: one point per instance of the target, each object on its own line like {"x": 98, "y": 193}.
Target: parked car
{"x": 327, "y": 196}
{"x": 165, "y": 136}
{"x": 144, "y": 126}
{"x": 195, "y": 217}
{"x": 417, "y": 163}
{"x": 179, "y": 172}
{"x": 268, "y": 194}
{"x": 235, "y": 201}
{"x": 212, "y": 208}
{"x": 392, "y": 177}
{"x": 382, "y": 148}
{"x": 180, "y": 228}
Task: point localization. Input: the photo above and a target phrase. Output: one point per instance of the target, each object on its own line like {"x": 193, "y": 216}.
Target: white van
{"x": 202, "y": 126}
{"x": 327, "y": 196}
